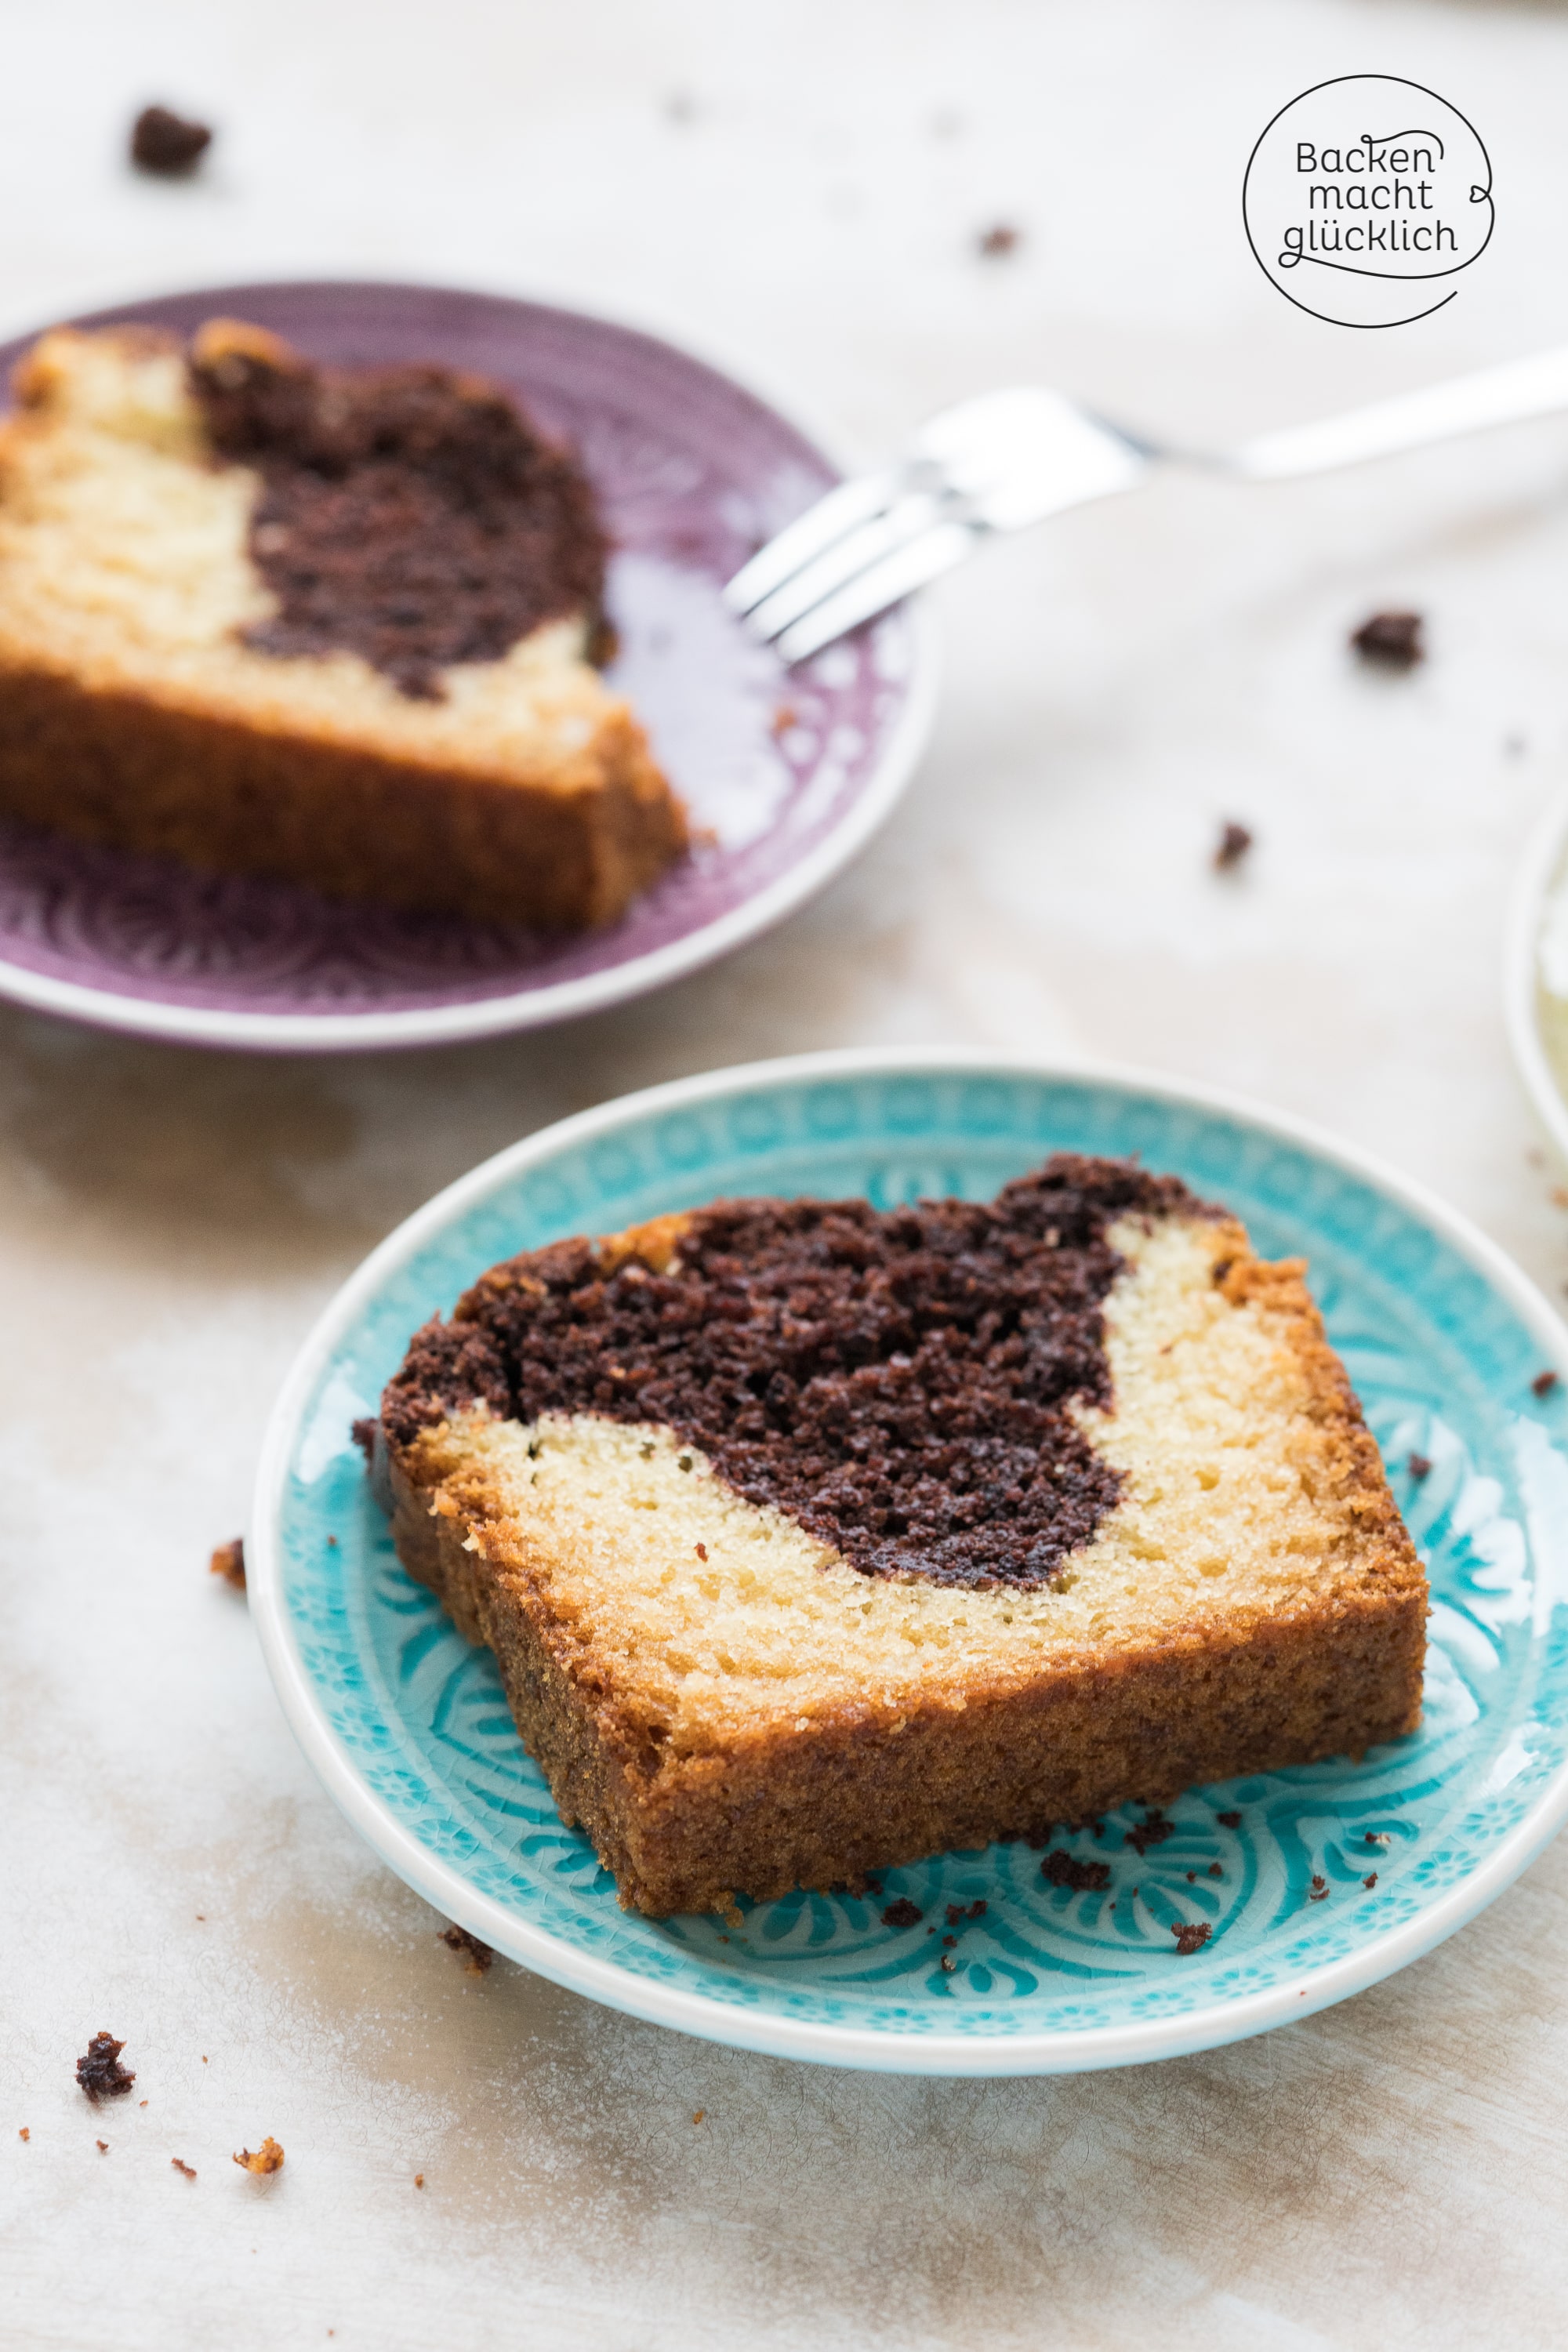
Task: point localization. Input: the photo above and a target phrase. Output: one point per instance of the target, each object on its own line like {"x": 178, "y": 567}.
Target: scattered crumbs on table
{"x": 1393, "y": 640}
{"x": 268, "y": 2158}
{"x": 477, "y": 1956}
{"x": 701, "y": 1552}
{"x": 1318, "y": 1888}
{"x": 103, "y": 2147}
{"x": 1191, "y": 1936}
{"x": 1543, "y": 1383}
{"x": 1001, "y": 238}
{"x": 1380, "y": 1837}
{"x": 1370, "y": 1881}
{"x": 903, "y": 1912}
{"x": 166, "y": 143}
{"x": 24, "y": 2132}
{"x": 180, "y": 2166}
{"x": 100, "y": 2073}
{"x": 204, "y": 2062}
{"x": 698, "y": 2115}
{"x": 1061, "y": 1869}
{"x": 1419, "y": 1466}
{"x": 228, "y": 1561}
{"x": 1235, "y": 841}
{"x": 141, "y": 2102}
{"x": 957, "y": 1911}
{"x": 1152, "y": 1830}
{"x": 1191, "y": 1878}
{"x": 1214, "y": 1870}
{"x": 948, "y": 1940}
{"x": 1229, "y": 1821}
{"x": 419, "y": 2180}
{"x": 948, "y": 1964}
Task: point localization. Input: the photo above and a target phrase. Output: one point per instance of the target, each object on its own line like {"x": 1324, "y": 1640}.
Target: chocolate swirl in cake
{"x": 410, "y": 515}
{"x": 900, "y": 1381}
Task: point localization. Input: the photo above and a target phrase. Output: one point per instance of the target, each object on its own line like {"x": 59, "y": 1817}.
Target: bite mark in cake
{"x": 1070, "y": 1503}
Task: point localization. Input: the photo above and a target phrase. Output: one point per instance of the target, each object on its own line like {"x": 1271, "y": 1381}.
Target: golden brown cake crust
{"x": 883, "y": 1775}
{"x": 150, "y": 775}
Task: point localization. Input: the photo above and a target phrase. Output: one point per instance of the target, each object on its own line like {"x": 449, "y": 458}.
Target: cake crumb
{"x": 903, "y": 1912}
{"x": 1419, "y": 1466}
{"x": 419, "y": 2180}
{"x": 1063, "y": 1869}
{"x": 783, "y": 720}
{"x": 960, "y": 1911}
{"x": 1543, "y": 1383}
{"x": 1235, "y": 841}
{"x": 1379, "y": 1837}
{"x": 1229, "y": 1821}
{"x": 1370, "y": 1881}
{"x": 1394, "y": 640}
{"x": 24, "y": 2132}
{"x": 1191, "y": 1936}
{"x": 477, "y": 1955}
{"x": 701, "y": 1552}
{"x": 363, "y": 1432}
{"x": 948, "y": 1964}
{"x": 1214, "y": 1870}
{"x": 180, "y": 2166}
{"x": 1002, "y": 237}
{"x": 698, "y": 2115}
{"x": 167, "y": 143}
{"x": 268, "y": 2158}
{"x": 1320, "y": 1887}
{"x": 103, "y": 2147}
{"x": 99, "y": 2072}
{"x": 1152, "y": 1830}
{"x": 228, "y": 1561}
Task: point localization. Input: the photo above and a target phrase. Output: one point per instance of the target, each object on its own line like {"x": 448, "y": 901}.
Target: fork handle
{"x": 1499, "y": 396}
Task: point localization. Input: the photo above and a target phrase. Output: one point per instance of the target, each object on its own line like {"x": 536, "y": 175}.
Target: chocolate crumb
{"x": 180, "y": 2166}
{"x": 268, "y": 2158}
{"x": 903, "y": 1912}
{"x": 103, "y": 2147}
{"x": 949, "y": 1940}
{"x": 1379, "y": 1837}
{"x": 701, "y": 1552}
{"x": 1191, "y": 1936}
{"x": 419, "y": 2180}
{"x": 1419, "y": 1466}
{"x": 1062, "y": 1869}
{"x": 1320, "y": 1887}
{"x": 228, "y": 1561}
{"x": 1235, "y": 841}
{"x": 478, "y": 1956}
{"x": 363, "y": 1432}
{"x": 167, "y": 143}
{"x": 1391, "y": 639}
{"x": 1543, "y": 1383}
{"x": 99, "y": 2072}
{"x": 1370, "y": 1881}
{"x": 1229, "y": 1821}
{"x": 1000, "y": 238}
{"x": 1151, "y": 1831}
{"x": 1214, "y": 1870}
{"x": 948, "y": 1963}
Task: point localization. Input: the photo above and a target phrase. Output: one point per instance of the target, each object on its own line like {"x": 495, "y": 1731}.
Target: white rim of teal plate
{"x": 1222, "y": 2020}
{"x": 1539, "y": 869}
{"x": 566, "y": 1000}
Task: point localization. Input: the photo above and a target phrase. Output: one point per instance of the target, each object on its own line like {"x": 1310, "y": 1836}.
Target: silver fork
{"x": 1007, "y": 459}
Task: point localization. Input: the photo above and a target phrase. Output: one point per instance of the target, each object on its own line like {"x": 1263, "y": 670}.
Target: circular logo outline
{"x": 1369, "y": 326}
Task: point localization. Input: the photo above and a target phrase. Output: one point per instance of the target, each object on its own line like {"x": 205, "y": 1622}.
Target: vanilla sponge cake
{"x": 330, "y": 625}
{"x": 812, "y": 1539}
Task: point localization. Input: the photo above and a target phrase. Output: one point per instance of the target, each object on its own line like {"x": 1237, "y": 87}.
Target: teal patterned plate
{"x": 1445, "y": 1342}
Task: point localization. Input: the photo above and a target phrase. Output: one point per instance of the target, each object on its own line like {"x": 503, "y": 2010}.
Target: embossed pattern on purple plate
{"x": 784, "y": 773}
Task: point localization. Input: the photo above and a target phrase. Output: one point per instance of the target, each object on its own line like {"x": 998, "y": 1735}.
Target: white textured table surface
{"x": 1392, "y": 2173}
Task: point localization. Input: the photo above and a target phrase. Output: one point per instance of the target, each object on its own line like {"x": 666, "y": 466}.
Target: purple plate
{"x": 786, "y": 773}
